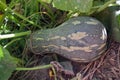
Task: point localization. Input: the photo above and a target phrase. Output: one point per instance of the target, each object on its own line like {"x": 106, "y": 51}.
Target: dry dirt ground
{"x": 105, "y": 68}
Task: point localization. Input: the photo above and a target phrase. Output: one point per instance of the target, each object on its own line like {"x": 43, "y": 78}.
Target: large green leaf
{"x": 83, "y": 6}
{"x": 73, "y": 5}
{"x": 7, "y": 65}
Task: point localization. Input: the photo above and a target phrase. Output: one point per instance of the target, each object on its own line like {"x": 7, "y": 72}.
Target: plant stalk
{"x": 34, "y": 68}
{"x": 6, "y": 36}
{"x": 11, "y": 42}
{"x": 106, "y": 5}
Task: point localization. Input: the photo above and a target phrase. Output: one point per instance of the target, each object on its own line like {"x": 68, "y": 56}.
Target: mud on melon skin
{"x": 80, "y": 39}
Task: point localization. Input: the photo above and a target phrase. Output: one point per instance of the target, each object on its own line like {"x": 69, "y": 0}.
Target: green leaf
{"x": 116, "y": 27}
{"x": 82, "y": 6}
{"x": 118, "y": 20}
{"x": 7, "y": 65}
{"x": 2, "y": 7}
{"x": 1, "y": 52}
{"x": 46, "y": 1}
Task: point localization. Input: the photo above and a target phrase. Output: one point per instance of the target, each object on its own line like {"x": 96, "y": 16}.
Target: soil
{"x": 107, "y": 67}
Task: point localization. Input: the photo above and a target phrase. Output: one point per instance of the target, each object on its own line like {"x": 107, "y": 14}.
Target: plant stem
{"x": 34, "y": 68}
{"x": 11, "y": 42}
{"x": 105, "y": 5}
{"x": 5, "y": 36}
{"x": 54, "y": 73}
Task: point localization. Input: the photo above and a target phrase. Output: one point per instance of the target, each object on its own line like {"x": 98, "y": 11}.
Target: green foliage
{"x": 7, "y": 65}
{"x": 116, "y": 25}
{"x": 74, "y": 5}
{"x": 71, "y": 5}
{"x": 19, "y": 16}
{"x": 1, "y": 52}
{"x": 80, "y": 6}
{"x": 118, "y": 20}
{"x": 1, "y": 6}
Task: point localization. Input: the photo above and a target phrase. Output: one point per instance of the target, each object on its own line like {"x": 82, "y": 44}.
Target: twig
{"x": 118, "y": 57}
{"x": 114, "y": 72}
{"x": 87, "y": 68}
